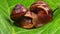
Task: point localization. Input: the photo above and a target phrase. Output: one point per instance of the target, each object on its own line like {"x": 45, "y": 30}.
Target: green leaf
{"x": 53, "y": 3}
{"x": 6, "y": 24}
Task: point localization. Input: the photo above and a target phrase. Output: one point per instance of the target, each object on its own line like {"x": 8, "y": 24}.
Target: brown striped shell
{"x": 18, "y": 12}
{"x": 43, "y": 12}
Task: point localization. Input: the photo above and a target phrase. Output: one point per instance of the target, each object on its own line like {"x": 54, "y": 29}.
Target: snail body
{"x": 38, "y": 15}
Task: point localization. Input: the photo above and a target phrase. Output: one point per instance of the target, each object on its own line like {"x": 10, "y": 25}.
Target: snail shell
{"x": 43, "y": 12}
{"x": 18, "y": 12}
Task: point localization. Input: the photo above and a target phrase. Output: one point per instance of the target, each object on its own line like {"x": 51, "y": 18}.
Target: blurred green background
{"x": 6, "y": 24}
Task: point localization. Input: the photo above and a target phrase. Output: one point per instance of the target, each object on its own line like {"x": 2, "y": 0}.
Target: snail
{"x": 38, "y": 15}
{"x": 18, "y": 15}
{"x": 43, "y": 11}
